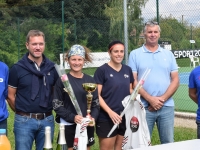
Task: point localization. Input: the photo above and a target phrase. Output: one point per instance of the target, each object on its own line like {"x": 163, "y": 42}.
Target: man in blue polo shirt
{"x": 31, "y": 82}
{"x": 4, "y": 72}
{"x": 161, "y": 83}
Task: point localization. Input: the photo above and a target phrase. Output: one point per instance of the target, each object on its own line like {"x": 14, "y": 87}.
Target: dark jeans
{"x": 198, "y": 129}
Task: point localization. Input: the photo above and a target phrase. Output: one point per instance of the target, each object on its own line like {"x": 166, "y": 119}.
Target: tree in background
{"x": 84, "y": 23}
{"x": 116, "y": 14}
{"x": 174, "y": 31}
{"x": 194, "y": 33}
{"x": 93, "y": 23}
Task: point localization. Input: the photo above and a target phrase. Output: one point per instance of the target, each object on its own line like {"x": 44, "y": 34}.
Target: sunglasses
{"x": 151, "y": 23}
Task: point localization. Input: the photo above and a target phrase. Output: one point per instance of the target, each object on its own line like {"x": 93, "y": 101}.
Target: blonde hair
{"x": 34, "y": 33}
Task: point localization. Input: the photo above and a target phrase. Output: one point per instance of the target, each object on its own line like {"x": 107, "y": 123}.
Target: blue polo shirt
{"x": 161, "y": 62}
{"x": 194, "y": 82}
{"x": 21, "y": 79}
{"x": 3, "y": 90}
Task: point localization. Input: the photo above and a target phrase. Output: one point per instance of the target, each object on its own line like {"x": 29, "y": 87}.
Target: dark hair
{"x": 113, "y": 43}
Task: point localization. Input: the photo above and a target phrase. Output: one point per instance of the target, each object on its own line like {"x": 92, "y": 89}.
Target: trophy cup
{"x": 89, "y": 87}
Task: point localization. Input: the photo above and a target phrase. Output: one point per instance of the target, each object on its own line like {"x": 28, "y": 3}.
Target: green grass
{"x": 181, "y": 134}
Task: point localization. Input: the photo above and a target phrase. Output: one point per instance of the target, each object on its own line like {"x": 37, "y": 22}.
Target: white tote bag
{"x": 81, "y": 138}
{"x": 137, "y": 133}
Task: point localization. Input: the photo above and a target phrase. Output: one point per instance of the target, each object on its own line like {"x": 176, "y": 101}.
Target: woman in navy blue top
{"x": 66, "y": 114}
{"x": 114, "y": 81}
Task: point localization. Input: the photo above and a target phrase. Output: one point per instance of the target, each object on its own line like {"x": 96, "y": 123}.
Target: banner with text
{"x": 185, "y": 53}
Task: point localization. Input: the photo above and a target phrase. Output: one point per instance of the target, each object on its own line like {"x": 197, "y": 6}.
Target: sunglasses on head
{"x": 151, "y": 23}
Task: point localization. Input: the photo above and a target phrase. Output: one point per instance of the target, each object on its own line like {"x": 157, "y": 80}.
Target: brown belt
{"x": 38, "y": 116}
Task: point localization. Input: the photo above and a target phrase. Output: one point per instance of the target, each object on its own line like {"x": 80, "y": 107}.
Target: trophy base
{"x": 91, "y": 123}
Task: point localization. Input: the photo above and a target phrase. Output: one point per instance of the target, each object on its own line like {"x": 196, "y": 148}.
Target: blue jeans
{"x": 164, "y": 119}
{"x": 198, "y": 129}
{"x": 27, "y": 130}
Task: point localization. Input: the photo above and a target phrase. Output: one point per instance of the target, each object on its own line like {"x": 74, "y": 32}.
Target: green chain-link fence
{"x": 63, "y": 28}
{"x": 95, "y": 23}
{"x": 179, "y": 21}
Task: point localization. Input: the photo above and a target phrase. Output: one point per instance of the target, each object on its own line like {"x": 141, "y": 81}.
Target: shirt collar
{"x": 145, "y": 50}
{"x": 32, "y": 62}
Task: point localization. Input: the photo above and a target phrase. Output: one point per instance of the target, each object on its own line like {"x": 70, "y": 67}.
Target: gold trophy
{"x": 89, "y": 87}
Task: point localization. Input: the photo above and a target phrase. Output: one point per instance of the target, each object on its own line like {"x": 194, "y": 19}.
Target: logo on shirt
{"x": 111, "y": 75}
{"x": 1, "y": 79}
{"x": 134, "y": 124}
{"x": 126, "y": 76}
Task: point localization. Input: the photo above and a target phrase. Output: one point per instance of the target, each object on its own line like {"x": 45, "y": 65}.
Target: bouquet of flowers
{"x": 132, "y": 97}
{"x": 68, "y": 88}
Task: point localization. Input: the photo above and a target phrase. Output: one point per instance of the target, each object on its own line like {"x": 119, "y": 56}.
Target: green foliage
{"x": 114, "y": 11}
{"x": 92, "y": 33}
{"x": 174, "y": 31}
{"x": 80, "y": 24}
{"x": 25, "y": 2}
{"x": 8, "y": 58}
{"x": 90, "y": 23}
